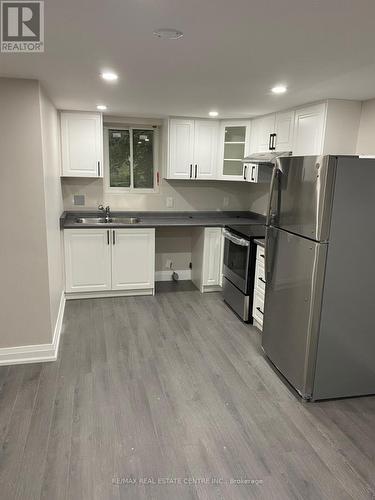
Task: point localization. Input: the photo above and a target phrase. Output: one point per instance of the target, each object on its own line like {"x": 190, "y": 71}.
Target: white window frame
{"x": 130, "y": 190}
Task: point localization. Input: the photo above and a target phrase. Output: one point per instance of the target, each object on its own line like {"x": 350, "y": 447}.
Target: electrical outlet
{"x": 168, "y": 264}
{"x": 170, "y": 202}
{"x": 226, "y": 201}
{"x": 79, "y": 199}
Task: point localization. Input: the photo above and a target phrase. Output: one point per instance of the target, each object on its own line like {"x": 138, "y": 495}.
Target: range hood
{"x": 268, "y": 157}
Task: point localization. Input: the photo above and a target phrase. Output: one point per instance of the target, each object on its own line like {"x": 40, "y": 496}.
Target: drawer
{"x": 260, "y": 280}
{"x": 260, "y": 253}
{"x": 258, "y": 307}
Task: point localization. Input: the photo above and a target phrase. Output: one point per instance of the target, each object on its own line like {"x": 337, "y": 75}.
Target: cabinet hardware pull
{"x": 191, "y": 170}
{"x": 252, "y": 173}
{"x": 260, "y": 310}
{"x": 196, "y": 170}
{"x": 244, "y": 172}
{"x": 273, "y": 141}
{"x": 270, "y": 143}
{"x": 107, "y": 236}
{"x": 98, "y": 168}
{"x": 262, "y": 280}
{"x": 262, "y": 255}
{"x": 113, "y": 237}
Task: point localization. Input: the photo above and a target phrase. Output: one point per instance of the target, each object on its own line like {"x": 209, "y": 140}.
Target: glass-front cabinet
{"x": 233, "y": 147}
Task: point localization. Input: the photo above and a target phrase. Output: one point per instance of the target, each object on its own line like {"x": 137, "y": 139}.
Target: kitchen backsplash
{"x": 179, "y": 195}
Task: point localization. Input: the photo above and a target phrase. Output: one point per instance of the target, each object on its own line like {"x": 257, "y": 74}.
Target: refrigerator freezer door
{"x": 294, "y": 276}
{"x": 346, "y": 349}
{"x": 302, "y": 196}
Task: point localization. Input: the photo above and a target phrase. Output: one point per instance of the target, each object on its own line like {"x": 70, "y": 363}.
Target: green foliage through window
{"x": 131, "y": 158}
{"x": 119, "y": 158}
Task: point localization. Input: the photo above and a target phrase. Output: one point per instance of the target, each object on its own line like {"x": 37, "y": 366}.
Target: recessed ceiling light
{"x": 213, "y": 113}
{"x": 168, "y": 34}
{"x": 101, "y": 107}
{"x": 279, "y": 89}
{"x": 109, "y": 76}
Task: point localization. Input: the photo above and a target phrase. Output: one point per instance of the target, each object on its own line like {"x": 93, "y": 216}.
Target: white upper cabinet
{"x": 262, "y": 134}
{"x": 205, "y": 144}
{"x": 284, "y": 128}
{"x": 234, "y": 145}
{"x": 309, "y": 130}
{"x": 272, "y": 132}
{"x": 181, "y": 149}
{"x": 192, "y": 149}
{"x": 81, "y": 144}
{"x": 208, "y": 149}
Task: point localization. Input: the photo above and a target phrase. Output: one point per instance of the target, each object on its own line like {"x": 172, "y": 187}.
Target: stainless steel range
{"x": 239, "y": 267}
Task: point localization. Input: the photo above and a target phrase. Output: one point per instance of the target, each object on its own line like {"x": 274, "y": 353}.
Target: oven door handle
{"x": 237, "y": 241}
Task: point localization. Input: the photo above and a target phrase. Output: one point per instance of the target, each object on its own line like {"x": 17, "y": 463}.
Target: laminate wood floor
{"x": 170, "y": 398}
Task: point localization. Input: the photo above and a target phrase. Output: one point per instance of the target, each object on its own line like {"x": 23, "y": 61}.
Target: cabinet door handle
{"x": 262, "y": 280}
{"x": 196, "y": 170}
{"x": 262, "y": 255}
{"x": 113, "y": 237}
{"x": 270, "y": 143}
{"x": 107, "y": 236}
{"x": 252, "y": 173}
{"x": 273, "y": 143}
{"x": 260, "y": 310}
{"x": 244, "y": 172}
{"x": 191, "y": 170}
{"x": 98, "y": 168}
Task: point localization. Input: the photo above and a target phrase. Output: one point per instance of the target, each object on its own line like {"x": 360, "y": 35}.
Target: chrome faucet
{"x": 107, "y": 211}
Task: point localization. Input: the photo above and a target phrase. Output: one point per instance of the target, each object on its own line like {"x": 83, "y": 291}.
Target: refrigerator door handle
{"x": 275, "y": 173}
{"x": 267, "y": 257}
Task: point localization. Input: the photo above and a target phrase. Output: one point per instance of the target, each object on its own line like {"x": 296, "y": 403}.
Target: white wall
{"x": 30, "y": 263}
{"x": 366, "y": 133}
{"x": 24, "y": 290}
{"x": 53, "y": 199}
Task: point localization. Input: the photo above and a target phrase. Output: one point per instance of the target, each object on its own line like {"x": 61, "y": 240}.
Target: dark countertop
{"x": 260, "y": 242}
{"x": 166, "y": 219}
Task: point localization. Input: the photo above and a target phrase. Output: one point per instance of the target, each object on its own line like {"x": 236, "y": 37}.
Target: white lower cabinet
{"x": 212, "y": 256}
{"x": 258, "y": 308}
{"x": 133, "y": 259}
{"x": 259, "y": 288}
{"x": 87, "y": 260}
{"x": 109, "y": 260}
{"x": 207, "y": 258}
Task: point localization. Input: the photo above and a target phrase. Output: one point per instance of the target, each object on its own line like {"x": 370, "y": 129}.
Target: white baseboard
{"x": 167, "y": 275}
{"x": 36, "y": 353}
{"x": 109, "y": 293}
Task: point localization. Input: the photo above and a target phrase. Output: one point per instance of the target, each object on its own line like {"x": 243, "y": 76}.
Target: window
{"x": 130, "y": 159}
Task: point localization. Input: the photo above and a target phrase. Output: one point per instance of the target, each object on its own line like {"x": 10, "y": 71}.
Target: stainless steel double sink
{"x": 103, "y": 220}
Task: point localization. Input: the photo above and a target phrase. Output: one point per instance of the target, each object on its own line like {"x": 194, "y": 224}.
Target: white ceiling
{"x": 231, "y": 54}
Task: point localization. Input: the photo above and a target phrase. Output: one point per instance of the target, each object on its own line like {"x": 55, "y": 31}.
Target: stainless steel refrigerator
{"x": 319, "y": 317}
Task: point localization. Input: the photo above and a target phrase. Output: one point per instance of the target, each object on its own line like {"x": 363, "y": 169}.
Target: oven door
{"x": 236, "y": 260}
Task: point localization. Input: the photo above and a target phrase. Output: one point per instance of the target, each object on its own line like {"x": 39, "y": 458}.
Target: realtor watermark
{"x": 185, "y": 481}
{"x": 22, "y": 26}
